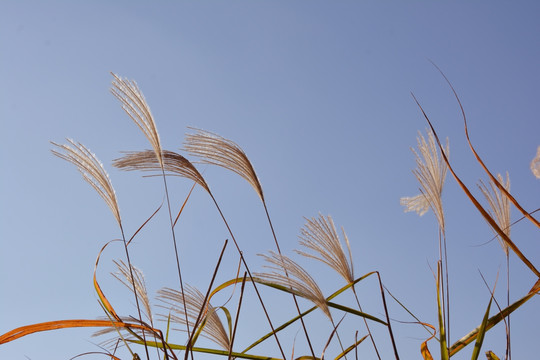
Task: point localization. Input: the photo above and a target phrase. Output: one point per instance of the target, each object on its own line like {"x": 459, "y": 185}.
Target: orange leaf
{"x": 424, "y": 348}
{"x": 63, "y": 324}
{"x": 100, "y": 293}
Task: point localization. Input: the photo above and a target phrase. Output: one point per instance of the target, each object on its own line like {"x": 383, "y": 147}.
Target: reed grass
{"x": 190, "y": 314}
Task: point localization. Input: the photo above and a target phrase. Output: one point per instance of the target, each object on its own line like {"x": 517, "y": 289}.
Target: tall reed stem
{"x": 287, "y": 274}
{"x": 176, "y": 252}
{"x": 249, "y": 274}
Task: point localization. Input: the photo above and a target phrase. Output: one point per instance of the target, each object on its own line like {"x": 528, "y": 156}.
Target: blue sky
{"x": 318, "y": 94}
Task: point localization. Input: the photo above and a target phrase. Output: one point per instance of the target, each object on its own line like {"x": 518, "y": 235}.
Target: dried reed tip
{"x": 430, "y": 173}
{"x": 216, "y": 150}
{"x": 535, "y": 164}
{"x": 124, "y": 276}
{"x": 134, "y": 104}
{"x": 299, "y": 280}
{"x": 320, "y": 235}
{"x": 173, "y": 163}
{"x": 92, "y": 171}
{"x": 213, "y": 327}
{"x": 499, "y": 205}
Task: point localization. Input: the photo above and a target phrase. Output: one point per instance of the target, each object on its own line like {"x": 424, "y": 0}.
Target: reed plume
{"x": 298, "y": 279}
{"x": 134, "y": 104}
{"x": 213, "y": 149}
{"x": 431, "y": 174}
{"x": 91, "y": 170}
{"x": 213, "y": 328}
{"x": 499, "y": 209}
{"x": 499, "y": 206}
{"x": 535, "y": 164}
{"x": 173, "y": 164}
{"x": 124, "y": 275}
{"x": 216, "y": 150}
{"x": 320, "y": 236}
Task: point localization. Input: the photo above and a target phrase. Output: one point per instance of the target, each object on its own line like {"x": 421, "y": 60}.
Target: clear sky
{"x": 318, "y": 94}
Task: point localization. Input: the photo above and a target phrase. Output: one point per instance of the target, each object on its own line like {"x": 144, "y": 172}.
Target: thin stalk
{"x": 387, "y": 316}
{"x": 287, "y": 274}
{"x": 447, "y": 302}
{"x": 508, "y": 350}
{"x": 176, "y": 251}
{"x": 337, "y": 335}
{"x": 237, "y": 314}
{"x": 249, "y": 274}
{"x": 355, "y": 341}
{"x": 134, "y": 288}
{"x": 190, "y": 341}
{"x": 365, "y": 322}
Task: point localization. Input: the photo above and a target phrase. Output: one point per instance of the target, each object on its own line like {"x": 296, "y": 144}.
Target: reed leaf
{"x": 481, "y": 162}
{"x": 484, "y": 213}
{"x": 481, "y": 332}
{"x": 287, "y": 289}
{"x": 491, "y": 356}
{"x": 65, "y": 324}
{"x": 424, "y": 350}
{"x": 492, "y": 321}
{"x": 210, "y": 351}
{"x": 351, "y": 347}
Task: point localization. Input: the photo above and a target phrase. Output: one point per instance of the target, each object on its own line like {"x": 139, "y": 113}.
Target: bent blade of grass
{"x": 207, "y": 351}
{"x": 481, "y": 332}
{"x": 481, "y": 162}
{"x": 424, "y": 350}
{"x": 64, "y": 324}
{"x": 480, "y": 208}
{"x": 229, "y": 319}
{"x": 233, "y": 282}
{"x": 350, "y": 348}
{"x": 291, "y": 321}
{"x": 355, "y": 312}
{"x": 491, "y": 356}
{"x": 492, "y": 321}
{"x": 102, "y": 298}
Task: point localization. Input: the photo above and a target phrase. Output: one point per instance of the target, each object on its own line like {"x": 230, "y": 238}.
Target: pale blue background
{"x": 318, "y": 95}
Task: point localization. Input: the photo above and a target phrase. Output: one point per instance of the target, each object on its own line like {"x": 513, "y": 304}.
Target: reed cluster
{"x": 193, "y": 312}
